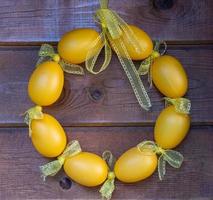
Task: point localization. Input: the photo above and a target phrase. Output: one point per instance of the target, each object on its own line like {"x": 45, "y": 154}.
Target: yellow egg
{"x": 48, "y": 137}
{"x": 169, "y": 76}
{"x": 87, "y": 169}
{"x": 73, "y": 47}
{"x": 144, "y": 42}
{"x": 135, "y": 165}
{"x": 171, "y": 128}
{"x": 46, "y": 83}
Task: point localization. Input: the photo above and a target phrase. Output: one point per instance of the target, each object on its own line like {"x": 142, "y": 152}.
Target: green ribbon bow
{"x": 145, "y": 66}
{"x": 173, "y": 158}
{"x": 109, "y": 185}
{"x": 47, "y": 52}
{"x": 113, "y": 29}
{"x": 182, "y": 105}
{"x": 52, "y": 168}
{"x": 32, "y": 113}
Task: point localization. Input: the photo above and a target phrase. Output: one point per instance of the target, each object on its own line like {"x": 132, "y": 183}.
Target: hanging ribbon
{"x": 145, "y": 67}
{"x": 173, "y": 158}
{"x": 47, "y": 52}
{"x": 114, "y": 29}
{"x": 52, "y": 168}
{"x": 32, "y": 113}
{"x": 109, "y": 186}
{"x": 182, "y": 105}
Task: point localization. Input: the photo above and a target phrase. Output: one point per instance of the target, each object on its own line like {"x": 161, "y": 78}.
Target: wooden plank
{"x": 105, "y": 99}
{"x": 34, "y": 21}
{"x": 20, "y": 177}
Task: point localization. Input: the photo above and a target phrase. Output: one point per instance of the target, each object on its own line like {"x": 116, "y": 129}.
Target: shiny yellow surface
{"x": 48, "y": 137}
{"x": 46, "y": 83}
{"x": 169, "y": 76}
{"x": 87, "y": 169}
{"x": 144, "y": 41}
{"x": 171, "y": 128}
{"x": 135, "y": 166}
{"x": 74, "y": 45}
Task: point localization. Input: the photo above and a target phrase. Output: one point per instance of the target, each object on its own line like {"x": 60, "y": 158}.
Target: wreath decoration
{"x": 85, "y": 45}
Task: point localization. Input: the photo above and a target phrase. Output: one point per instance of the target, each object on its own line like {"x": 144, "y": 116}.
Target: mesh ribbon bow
{"x": 145, "y": 66}
{"x": 173, "y": 158}
{"x": 114, "y": 29}
{"x": 182, "y": 105}
{"x": 50, "y": 169}
{"x": 47, "y": 52}
{"x": 109, "y": 186}
{"x": 32, "y": 113}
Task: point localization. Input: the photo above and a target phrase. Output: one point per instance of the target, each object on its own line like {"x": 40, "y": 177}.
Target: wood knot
{"x": 65, "y": 183}
{"x": 95, "y": 94}
{"x": 163, "y": 4}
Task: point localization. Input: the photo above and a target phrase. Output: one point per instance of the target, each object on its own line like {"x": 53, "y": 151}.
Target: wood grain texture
{"x": 105, "y": 99}
{"x": 20, "y": 178}
{"x": 34, "y": 21}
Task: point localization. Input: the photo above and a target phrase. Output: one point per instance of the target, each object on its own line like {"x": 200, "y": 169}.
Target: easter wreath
{"x": 85, "y": 45}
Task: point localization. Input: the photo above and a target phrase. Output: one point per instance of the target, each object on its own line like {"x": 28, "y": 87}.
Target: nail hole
{"x": 163, "y": 4}
{"x": 65, "y": 183}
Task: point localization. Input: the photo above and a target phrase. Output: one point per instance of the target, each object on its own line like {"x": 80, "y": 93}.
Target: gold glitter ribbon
{"x": 31, "y": 114}
{"x": 182, "y": 105}
{"x": 113, "y": 29}
{"x": 52, "y": 168}
{"x": 47, "y": 52}
{"x": 173, "y": 158}
{"x": 109, "y": 185}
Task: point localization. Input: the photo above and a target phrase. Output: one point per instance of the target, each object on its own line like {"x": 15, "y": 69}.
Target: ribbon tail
{"x": 182, "y": 105}
{"x": 132, "y": 74}
{"x": 107, "y": 189}
{"x": 95, "y": 47}
{"x": 145, "y": 66}
{"x": 161, "y": 167}
{"x": 71, "y": 68}
{"x": 46, "y": 50}
{"x": 128, "y": 33}
{"x": 50, "y": 169}
{"x": 174, "y": 158}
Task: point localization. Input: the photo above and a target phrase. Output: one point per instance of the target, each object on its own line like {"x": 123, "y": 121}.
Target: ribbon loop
{"x": 71, "y": 68}
{"x": 109, "y": 158}
{"x": 109, "y": 185}
{"x": 46, "y": 50}
{"x": 52, "y": 168}
{"x": 47, "y": 53}
{"x": 91, "y": 58}
{"x": 32, "y": 113}
{"x": 173, "y": 158}
{"x": 182, "y": 105}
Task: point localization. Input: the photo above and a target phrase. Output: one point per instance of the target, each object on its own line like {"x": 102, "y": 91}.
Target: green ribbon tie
{"x": 109, "y": 185}
{"x": 32, "y": 113}
{"x": 113, "y": 28}
{"x": 145, "y": 66}
{"x": 173, "y": 158}
{"x": 52, "y": 168}
{"x": 182, "y": 105}
{"x": 47, "y": 52}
